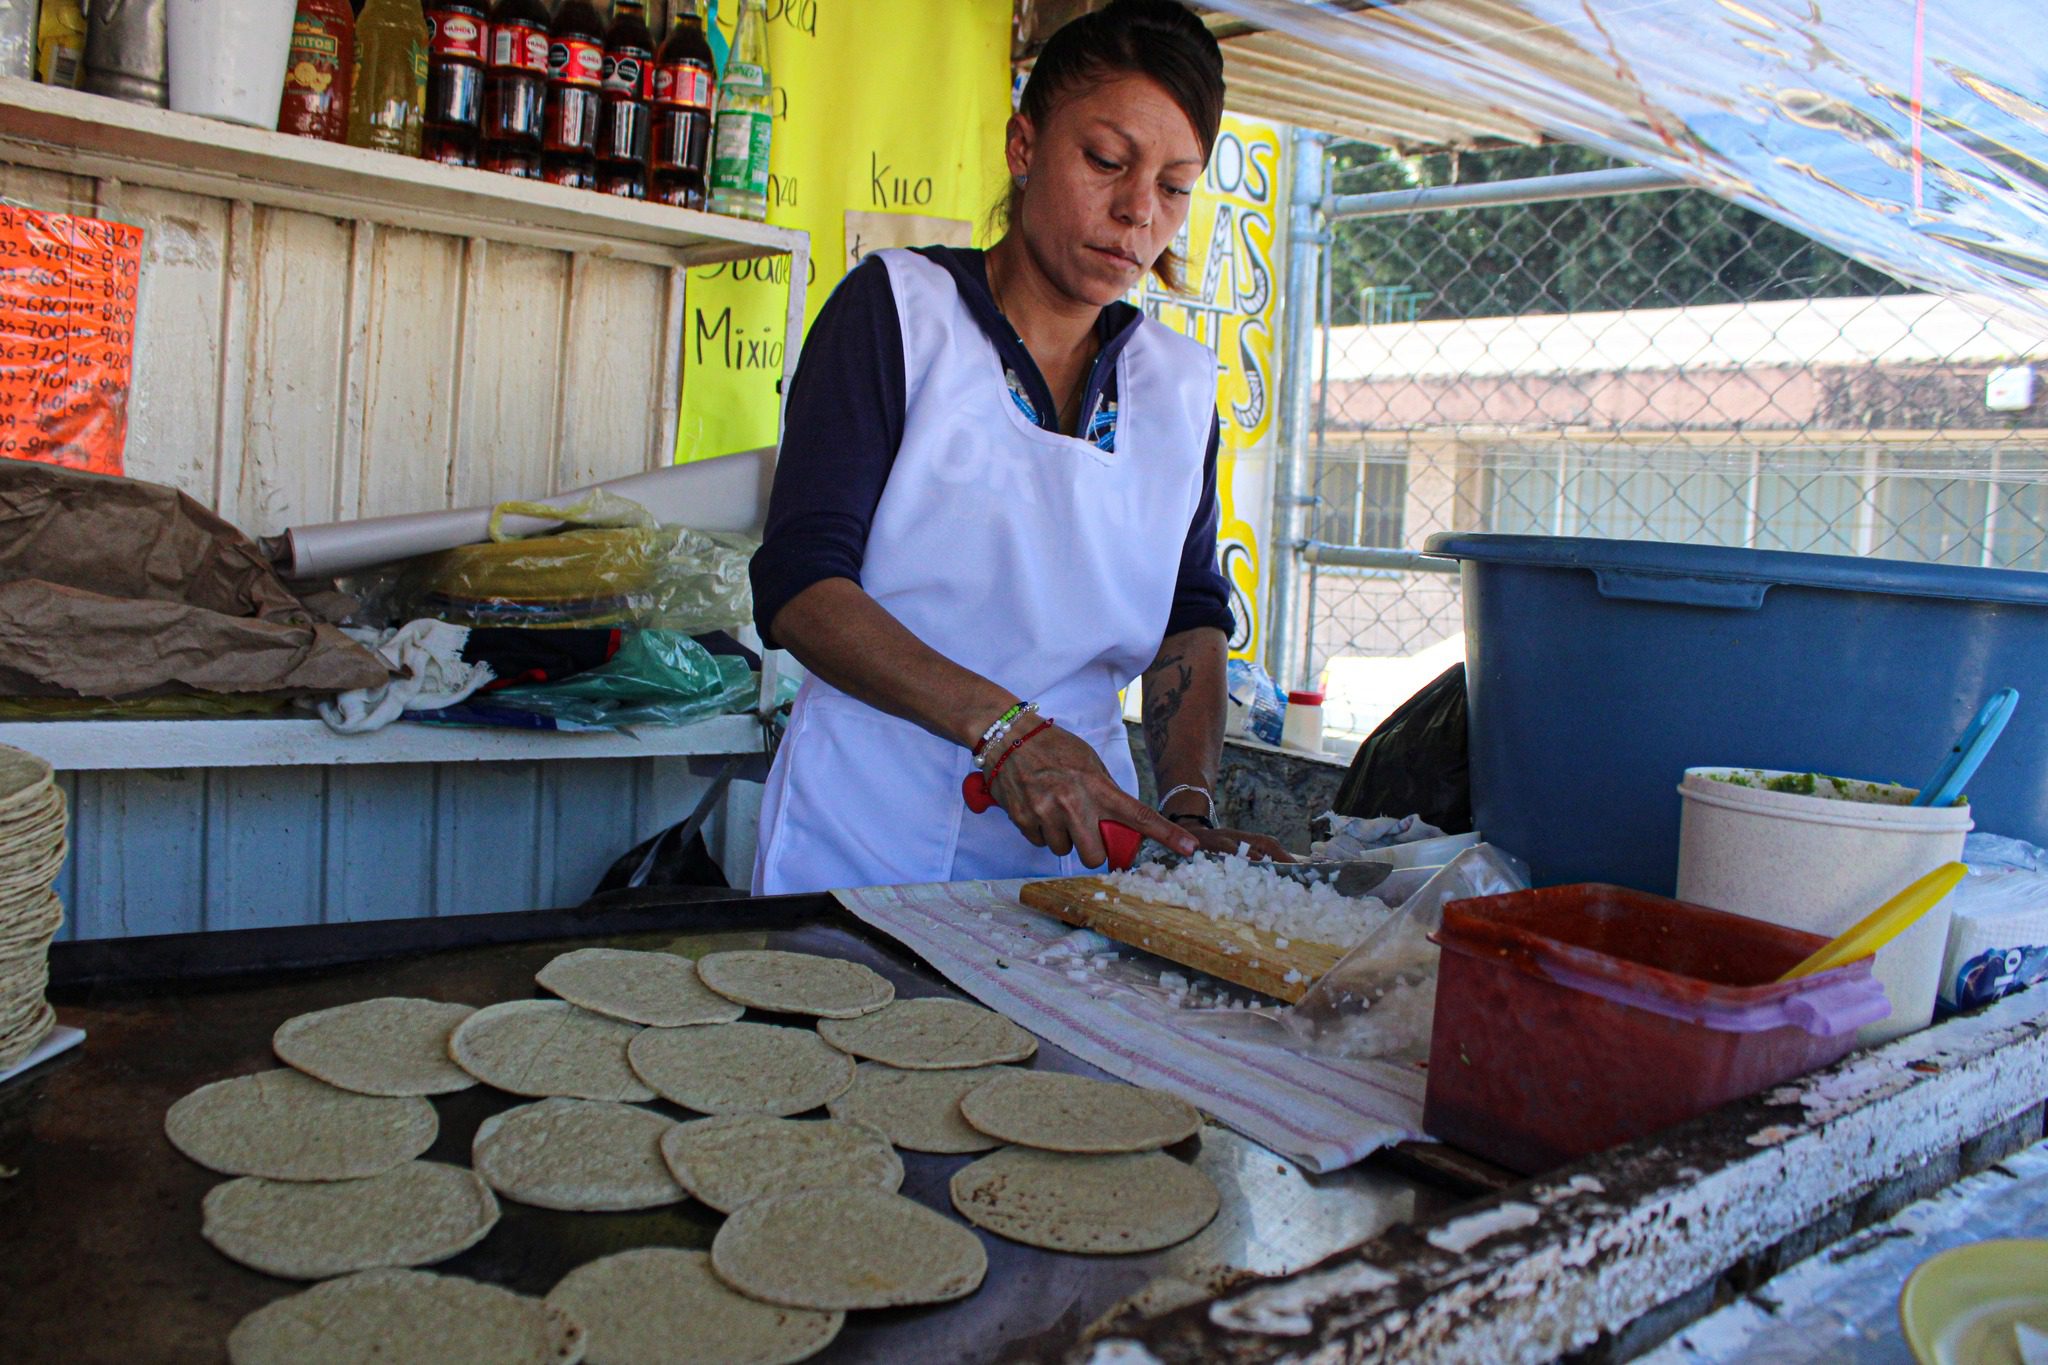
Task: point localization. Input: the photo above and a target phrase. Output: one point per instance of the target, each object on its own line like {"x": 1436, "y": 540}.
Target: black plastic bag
{"x": 1415, "y": 762}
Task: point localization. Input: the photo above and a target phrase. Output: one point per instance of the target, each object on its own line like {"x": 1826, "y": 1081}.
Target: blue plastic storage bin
{"x": 1600, "y": 670}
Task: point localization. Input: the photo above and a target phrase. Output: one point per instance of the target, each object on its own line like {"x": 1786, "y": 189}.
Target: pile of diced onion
{"x": 1233, "y": 888}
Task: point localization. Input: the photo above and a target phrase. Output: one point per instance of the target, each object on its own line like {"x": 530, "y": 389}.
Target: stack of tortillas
{"x": 332, "y": 1185}
{"x": 32, "y": 850}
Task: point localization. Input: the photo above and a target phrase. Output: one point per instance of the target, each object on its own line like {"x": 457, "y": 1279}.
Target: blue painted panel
{"x": 265, "y": 847}
{"x": 139, "y": 850}
{"x": 380, "y": 843}
{"x": 67, "y": 880}
{"x": 180, "y": 850}
{"x": 487, "y": 819}
{"x": 590, "y": 816}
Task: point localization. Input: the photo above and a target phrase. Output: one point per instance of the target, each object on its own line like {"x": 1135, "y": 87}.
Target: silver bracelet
{"x": 1203, "y": 792}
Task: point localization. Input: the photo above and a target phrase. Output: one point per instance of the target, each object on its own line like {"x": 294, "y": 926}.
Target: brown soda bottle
{"x": 515, "y": 88}
{"x": 575, "y": 95}
{"x": 684, "y": 83}
{"x": 458, "y": 45}
{"x": 624, "y": 122}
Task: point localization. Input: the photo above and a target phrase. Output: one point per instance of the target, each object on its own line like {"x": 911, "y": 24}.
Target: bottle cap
{"x": 1304, "y": 699}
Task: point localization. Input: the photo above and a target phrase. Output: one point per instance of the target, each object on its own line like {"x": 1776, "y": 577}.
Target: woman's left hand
{"x": 1261, "y": 847}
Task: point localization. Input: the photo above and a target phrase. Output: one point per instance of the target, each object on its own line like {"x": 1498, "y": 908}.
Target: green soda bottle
{"x": 388, "y": 97}
{"x": 746, "y": 102}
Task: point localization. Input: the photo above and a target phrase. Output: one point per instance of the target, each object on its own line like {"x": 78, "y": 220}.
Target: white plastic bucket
{"x": 1821, "y": 863}
{"x": 227, "y": 58}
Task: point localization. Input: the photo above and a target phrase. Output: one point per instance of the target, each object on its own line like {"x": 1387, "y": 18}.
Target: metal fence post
{"x": 1291, "y": 466}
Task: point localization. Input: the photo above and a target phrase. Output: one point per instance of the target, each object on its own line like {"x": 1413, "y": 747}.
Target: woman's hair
{"x": 1159, "y": 39}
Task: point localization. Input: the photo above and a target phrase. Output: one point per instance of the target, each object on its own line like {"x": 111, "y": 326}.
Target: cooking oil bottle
{"x": 388, "y": 96}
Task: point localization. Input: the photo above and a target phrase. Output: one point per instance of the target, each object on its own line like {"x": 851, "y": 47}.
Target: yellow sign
{"x": 882, "y": 107}
{"x": 1233, "y": 293}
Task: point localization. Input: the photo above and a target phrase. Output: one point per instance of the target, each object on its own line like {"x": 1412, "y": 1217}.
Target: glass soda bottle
{"x": 317, "y": 70}
{"x": 624, "y": 121}
{"x": 746, "y": 107}
{"x": 458, "y": 42}
{"x": 568, "y": 141}
{"x": 685, "y": 81}
{"x": 388, "y": 90}
{"x": 515, "y": 88}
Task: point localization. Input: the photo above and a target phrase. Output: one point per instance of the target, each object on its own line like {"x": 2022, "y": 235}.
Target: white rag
{"x": 432, "y": 673}
{"x": 1323, "y": 1112}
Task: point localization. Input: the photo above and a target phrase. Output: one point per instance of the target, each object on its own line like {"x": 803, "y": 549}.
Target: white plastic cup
{"x": 1821, "y": 863}
{"x": 227, "y": 58}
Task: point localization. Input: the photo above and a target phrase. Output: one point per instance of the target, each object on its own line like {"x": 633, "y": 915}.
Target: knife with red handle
{"x": 1119, "y": 840}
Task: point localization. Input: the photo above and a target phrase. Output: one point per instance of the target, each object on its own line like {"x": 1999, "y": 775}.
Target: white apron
{"x": 1033, "y": 559}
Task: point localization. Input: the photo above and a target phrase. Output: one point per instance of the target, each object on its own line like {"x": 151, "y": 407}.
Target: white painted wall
{"x": 293, "y": 367}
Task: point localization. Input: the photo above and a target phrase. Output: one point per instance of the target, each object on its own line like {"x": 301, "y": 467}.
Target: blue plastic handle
{"x": 1680, "y": 589}
{"x": 1969, "y": 751}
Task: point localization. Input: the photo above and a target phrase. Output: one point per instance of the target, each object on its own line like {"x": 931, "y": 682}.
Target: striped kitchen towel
{"x": 1064, "y": 985}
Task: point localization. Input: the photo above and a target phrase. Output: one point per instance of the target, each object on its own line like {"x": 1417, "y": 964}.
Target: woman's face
{"x": 1110, "y": 175}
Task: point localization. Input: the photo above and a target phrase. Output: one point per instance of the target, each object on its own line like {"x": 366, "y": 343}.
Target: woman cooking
{"x": 996, "y": 506}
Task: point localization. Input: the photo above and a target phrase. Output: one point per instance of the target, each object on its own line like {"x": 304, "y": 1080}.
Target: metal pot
{"x": 125, "y": 55}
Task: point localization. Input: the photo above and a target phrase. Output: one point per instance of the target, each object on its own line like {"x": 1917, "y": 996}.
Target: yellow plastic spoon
{"x": 1883, "y": 924}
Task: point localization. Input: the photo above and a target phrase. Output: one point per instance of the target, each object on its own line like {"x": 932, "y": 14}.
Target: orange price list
{"x": 68, "y": 294}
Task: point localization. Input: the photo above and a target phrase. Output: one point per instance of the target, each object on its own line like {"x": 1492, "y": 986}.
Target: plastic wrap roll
{"x": 725, "y": 494}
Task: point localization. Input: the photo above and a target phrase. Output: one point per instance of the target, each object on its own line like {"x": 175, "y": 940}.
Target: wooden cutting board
{"x": 1237, "y": 953}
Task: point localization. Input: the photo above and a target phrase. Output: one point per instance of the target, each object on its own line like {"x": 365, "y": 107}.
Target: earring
{"x": 1022, "y": 181}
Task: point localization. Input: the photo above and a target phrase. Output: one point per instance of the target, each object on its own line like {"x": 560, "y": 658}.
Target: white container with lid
{"x": 228, "y": 57}
{"x": 1820, "y": 853}
{"x": 1303, "y": 727}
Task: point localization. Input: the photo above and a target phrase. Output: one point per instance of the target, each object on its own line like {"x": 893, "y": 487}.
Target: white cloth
{"x": 431, "y": 673}
{"x": 1033, "y": 559}
{"x": 1322, "y": 1111}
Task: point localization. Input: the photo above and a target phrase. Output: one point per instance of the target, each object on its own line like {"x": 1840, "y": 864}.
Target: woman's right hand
{"x": 1057, "y": 792}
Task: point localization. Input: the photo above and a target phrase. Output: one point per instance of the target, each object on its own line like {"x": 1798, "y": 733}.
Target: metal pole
{"x": 1290, "y": 466}
{"x": 1317, "y": 554}
{"x": 1540, "y": 189}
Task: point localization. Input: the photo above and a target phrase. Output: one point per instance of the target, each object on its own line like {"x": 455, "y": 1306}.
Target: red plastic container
{"x": 1574, "y": 1018}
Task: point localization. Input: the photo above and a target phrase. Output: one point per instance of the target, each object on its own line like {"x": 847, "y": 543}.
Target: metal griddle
{"x": 101, "y": 1258}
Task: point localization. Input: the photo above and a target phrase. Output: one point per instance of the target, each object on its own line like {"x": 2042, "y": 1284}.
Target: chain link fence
{"x": 1658, "y": 366}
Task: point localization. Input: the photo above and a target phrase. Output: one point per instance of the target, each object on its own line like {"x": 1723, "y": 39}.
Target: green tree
{"x": 1656, "y": 250}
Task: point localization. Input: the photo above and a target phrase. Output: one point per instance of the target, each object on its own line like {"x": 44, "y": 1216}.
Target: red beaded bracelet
{"x": 997, "y": 770}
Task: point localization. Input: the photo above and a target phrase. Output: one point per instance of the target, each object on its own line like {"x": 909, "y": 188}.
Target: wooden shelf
{"x": 114, "y": 745}
{"x": 75, "y": 133}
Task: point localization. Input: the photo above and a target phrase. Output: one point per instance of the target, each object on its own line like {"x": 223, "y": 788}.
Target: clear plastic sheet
{"x": 1911, "y": 136}
{"x": 1379, "y": 1000}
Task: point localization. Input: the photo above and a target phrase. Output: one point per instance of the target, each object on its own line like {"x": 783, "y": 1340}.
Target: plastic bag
{"x": 1415, "y": 762}
{"x": 1256, "y": 706}
{"x": 1380, "y": 999}
{"x": 658, "y": 677}
{"x": 1998, "y": 930}
{"x": 616, "y": 568}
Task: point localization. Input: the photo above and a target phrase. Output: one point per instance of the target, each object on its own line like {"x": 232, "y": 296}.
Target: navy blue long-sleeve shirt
{"x": 845, "y": 419}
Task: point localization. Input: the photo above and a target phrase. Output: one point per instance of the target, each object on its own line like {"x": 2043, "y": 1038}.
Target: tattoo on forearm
{"x": 1163, "y": 702}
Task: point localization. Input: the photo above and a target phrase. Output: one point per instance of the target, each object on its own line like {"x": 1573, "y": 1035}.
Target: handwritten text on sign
{"x": 67, "y": 337}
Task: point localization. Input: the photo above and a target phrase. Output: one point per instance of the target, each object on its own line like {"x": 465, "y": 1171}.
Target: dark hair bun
{"x": 1158, "y": 39}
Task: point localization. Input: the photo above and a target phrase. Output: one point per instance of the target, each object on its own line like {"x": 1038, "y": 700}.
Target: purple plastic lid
{"x": 1826, "y": 1005}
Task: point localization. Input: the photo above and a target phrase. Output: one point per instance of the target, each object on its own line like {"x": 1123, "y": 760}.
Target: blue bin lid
{"x": 1734, "y": 565}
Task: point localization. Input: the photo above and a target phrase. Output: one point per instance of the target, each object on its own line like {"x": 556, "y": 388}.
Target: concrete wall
{"x": 1263, "y": 790}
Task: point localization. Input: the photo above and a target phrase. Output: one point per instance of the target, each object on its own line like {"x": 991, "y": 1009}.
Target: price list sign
{"x": 67, "y": 337}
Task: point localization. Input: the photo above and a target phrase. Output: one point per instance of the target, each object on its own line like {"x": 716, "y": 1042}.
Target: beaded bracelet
{"x": 997, "y": 771}
{"x": 992, "y": 742}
